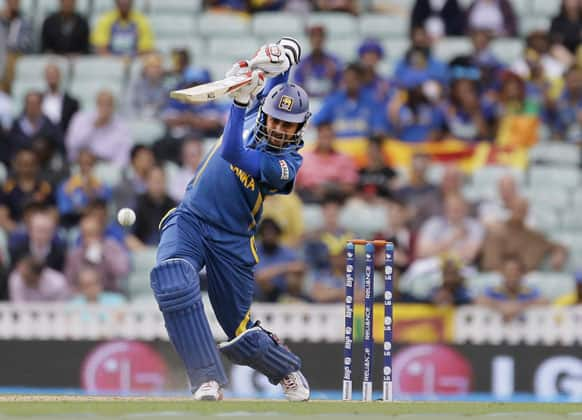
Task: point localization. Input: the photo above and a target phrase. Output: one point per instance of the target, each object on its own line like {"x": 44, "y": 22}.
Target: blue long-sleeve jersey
{"x": 231, "y": 182}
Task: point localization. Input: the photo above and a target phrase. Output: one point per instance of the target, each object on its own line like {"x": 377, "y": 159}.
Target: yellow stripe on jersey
{"x": 242, "y": 327}
{"x": 254, "y": 250}
{"x": 256, "y": 209}
{"x": 166, "y": 216}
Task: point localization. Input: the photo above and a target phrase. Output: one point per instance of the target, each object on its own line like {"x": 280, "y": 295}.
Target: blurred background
{"x": 451, "y": 127}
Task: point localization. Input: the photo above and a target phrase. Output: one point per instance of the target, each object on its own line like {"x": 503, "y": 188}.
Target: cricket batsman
{"x": 214, "y": 227}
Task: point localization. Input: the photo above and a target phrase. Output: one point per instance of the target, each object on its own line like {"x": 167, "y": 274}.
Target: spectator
{"x": 183, "y": 72}
{"x": 147, "y": 95}
{"x": 98, "y": 208}
{"x": 439, "y": 18}
{"x": 33, "y": 123}
{"x": 454, "y": 233}
{"x": 192, "y": 154}
{"x": 17, "y": 37}
{"x": 511, "y": 298}
{"x": 515, "y": 238}
{"x": 513, "y": 99}
{"x": 266, "y": 5}
{"x": 315, "y": 248}
{"x": 346, "y": 6}
{"x": 419, "y": 62}
{"x": 22, "y": 188}
{"x": 452, "y": 291}
{"x": 57, "y": 104}
{"x": 80, "y": 189}
{"x": 376, "y": 173}
{"x": 236, "y": 6}
{"x": 498, "y": 210}
{"x": 65, "y": 31}
{"x": 106, "y": 254}
{"x": 468, "y": 116}
{"x": 188, "y": 120}
{"x": 351, "y": 110}
{"x": 3, "y": 55}
{"x": 485, "y": 60}
{"x": 399, "y": 234}
{"x": 538, "y": 52}
{"x": 6, "y": 110}
{"x": 320, "y": 72}
{"x": 40, "y": 239}
{"x": 103, "y": 132}
{"x": 122, "y": 31}
{"x": 150, "y": 209}
{"x": 371, "y": 53}
{"x": 279, "y": 271}
{"x": 567, "y": 121}
{"x": 327, "y": 284}
{"x": 418, "y": 193}
{"x": 90, "y": 290}
{"x": 575, "y": 297}
{"x": 53, "y": 166}
{"x": 566, "y": 27}
{"x": 411, "y": 116}
{"x": 324, "y": 167}
{"x": 32, "y": 281}
{"x": 287, "y": 211}
{"x": 497, "y": 16}
{"x": 133, "y": 178}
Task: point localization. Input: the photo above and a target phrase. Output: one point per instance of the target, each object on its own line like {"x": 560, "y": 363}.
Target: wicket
{"x": 368, "y": 342}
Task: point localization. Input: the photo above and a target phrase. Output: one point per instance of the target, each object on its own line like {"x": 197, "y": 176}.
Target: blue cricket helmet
{"x": 285, "y": 102}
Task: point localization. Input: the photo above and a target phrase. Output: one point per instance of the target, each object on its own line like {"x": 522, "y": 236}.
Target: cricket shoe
{"x": 295, "y": 387}
{"x": 209, "y": 391}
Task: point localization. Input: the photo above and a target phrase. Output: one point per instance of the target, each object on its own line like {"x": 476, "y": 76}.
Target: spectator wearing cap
{"x": 371, "y": 53}
{"x": 33, "y": 123}
{"x": 351, "y": 110}
{"x": 32, "y": 281}
{"x": 80, "y": 189}
{"x": 102, "y": 131}
{"x": 512, "y": 297}
{"x": 65, "y": 31}
{"x": 567, "y": 116}
{"x": 439, "y": 18}
{"x": 279, "y": 270}
{"x": 411, "y": 116}
{"x": 122, "y": 31}
{"x": 468, "y": 116}
{"x": 147, "y": 95}
{"x": 324, "y": 166}
{"x": 566, "y": 28}
{"x": 57, "y": 104}
{"x": 320, "y": 72}
{"x": 22, "y": 188}
{"x": 419, "y": 62}
{"x": 497, "y": 16}
{"x": 574, "y": 297}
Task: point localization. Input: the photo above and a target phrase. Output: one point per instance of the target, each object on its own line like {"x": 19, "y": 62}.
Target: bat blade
{"x": 210, "y": 91}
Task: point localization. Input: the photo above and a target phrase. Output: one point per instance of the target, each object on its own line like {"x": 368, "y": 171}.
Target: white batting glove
{"x": 271, "y": 59}
{"x": 239, "y": 68}
{"x": 292, "y": 49}
{"x": 243, "y": 95}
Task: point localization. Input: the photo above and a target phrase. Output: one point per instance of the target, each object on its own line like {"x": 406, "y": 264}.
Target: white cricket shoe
{"x": 295, "y": 387}
{"x": 208, "y": 391}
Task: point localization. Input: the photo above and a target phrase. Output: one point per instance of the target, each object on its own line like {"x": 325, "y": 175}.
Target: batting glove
{"x": 271, "y": 59}
{"x": 292, "y": 49}
{"x": 243, "y": 95}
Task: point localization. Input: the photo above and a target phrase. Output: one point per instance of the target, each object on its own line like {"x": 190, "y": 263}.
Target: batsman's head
{"x": 282, "y": 118}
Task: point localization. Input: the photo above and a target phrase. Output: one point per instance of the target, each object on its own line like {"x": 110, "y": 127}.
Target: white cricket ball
{"x": 126, "y": 217}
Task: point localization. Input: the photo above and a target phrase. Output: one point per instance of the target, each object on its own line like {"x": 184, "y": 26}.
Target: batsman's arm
{"x": 232, "y": 149}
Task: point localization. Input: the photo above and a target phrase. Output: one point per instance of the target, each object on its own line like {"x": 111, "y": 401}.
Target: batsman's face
{"x": 279, "y": 131}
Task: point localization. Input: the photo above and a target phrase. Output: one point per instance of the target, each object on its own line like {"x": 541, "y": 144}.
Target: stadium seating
{"x": 108, "y": 173}
{"x": 507, "y": 49}
{"x": 338, "y": 25}
{"x": 223, "y": 25}
{"x": 177, "y": 26}
{"x": 86, "y": 90}
{"x": 267, "y": 24}
{"x": 174, "y": 7}
{"x": 146, "y": 131}
{"x": 139, "y": 279}
{"x": 383, "y": 26}
{"x": 233, "y": 49}
{"x": 546, "y": 7}
{"x": 30, "y": 68}
{"x": 552, "y": 177}
{"x": 448, "y": 48}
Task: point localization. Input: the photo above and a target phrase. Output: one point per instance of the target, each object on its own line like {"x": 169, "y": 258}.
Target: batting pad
{"x": 258, "y": 349}
{"x": 176, "y": 286}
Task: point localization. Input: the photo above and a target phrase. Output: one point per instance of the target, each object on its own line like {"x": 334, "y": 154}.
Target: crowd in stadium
{"x": 59, "y": 240}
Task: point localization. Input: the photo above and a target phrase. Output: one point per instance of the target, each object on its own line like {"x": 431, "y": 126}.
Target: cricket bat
{"x": 211, "y": 91}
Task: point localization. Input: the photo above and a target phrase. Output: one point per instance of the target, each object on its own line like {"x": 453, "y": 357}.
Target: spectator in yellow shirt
{"x": 122, "y": 31}
{"x": 575, "y": 297}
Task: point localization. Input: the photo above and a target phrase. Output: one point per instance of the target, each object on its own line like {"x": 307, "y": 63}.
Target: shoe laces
{"x": 207, "y": 386}
{"x": 290, "y": 382}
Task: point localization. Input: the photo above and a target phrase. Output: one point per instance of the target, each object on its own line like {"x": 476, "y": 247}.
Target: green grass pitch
{"x": 18, "y": 407}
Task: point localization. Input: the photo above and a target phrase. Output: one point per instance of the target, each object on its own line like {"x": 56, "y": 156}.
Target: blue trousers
{"x": 229, "y": 261}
